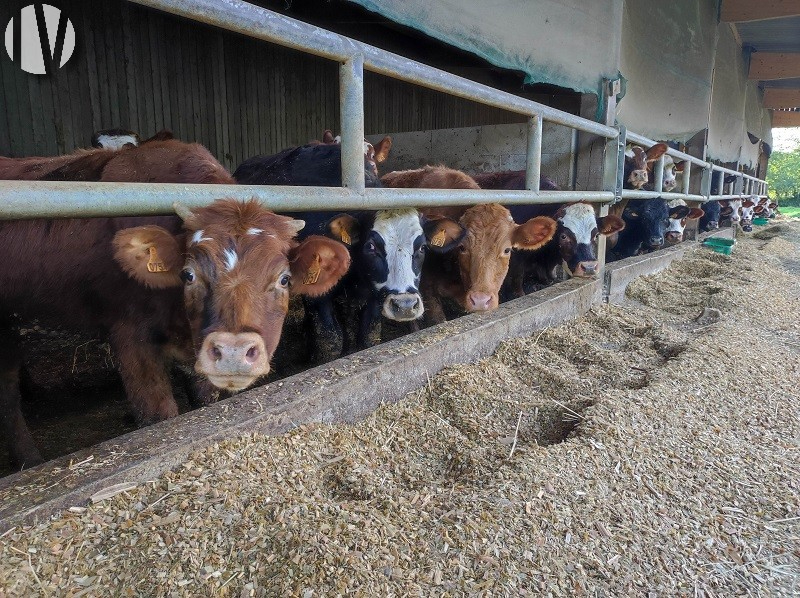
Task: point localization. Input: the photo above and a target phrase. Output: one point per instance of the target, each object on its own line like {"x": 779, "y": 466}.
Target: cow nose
{"x": 232, "y": 361}
{"x": 403, "y": 307}
{"x": 586, "y": 269}
{"x": 479, "y": 301}
{"x": 656, "y": 241}
{"x": 713, "y": 224}
{"x": 674, "y": 237}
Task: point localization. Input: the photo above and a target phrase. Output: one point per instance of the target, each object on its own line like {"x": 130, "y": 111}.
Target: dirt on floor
{"x": 651, "y": 448}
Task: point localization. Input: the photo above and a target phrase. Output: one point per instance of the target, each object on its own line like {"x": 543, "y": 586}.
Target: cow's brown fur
{"x": 167, "y": 161}
{"x": 92, "y": 274}
{"x": 480, "y": 263}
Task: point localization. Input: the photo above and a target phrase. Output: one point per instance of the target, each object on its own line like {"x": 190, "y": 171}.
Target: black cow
{"x": 646, "y": 221}
{"x": 313, "y": 165}
{"x": 711, "y": 215}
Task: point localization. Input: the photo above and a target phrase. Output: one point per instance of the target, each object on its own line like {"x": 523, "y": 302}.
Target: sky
{"x": 785, "y": 139}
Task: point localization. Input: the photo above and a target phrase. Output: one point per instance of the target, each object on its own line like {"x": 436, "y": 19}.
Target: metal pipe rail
{"x": 48, "y": 199}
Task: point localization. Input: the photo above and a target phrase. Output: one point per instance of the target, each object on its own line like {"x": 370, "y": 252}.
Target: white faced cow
{"x": 679, "y": 215}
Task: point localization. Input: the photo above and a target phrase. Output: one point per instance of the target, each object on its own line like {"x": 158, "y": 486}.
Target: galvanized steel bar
{"x": 658, "y": 173}
{"x": 534, "y": 165}
{"x": 253, "y": 21}
{"x": 686, "y": 178}
{"x": 49, "y": 199}
{"x": 644, "y": 141}
{"x": 634, "y": 194}
{"x": 351, "y": 106}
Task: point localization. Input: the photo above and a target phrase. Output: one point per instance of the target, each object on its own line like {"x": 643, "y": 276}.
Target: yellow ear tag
{"x": 313, "y": 272}
{"x": 345, "y": 237}
{"x": 154, "y": 263}
{"x": 438, "y": 239}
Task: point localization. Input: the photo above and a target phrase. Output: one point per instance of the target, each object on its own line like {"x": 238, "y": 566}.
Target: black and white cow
{"x": 574, "y": 244}
{"x": 731, "y": 210}
{"x": 387, "y": 249}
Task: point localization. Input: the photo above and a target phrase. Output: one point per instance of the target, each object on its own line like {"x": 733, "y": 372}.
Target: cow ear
{"x": 382, "y": 149}
{"x": 748, "y": 204}
{"x": 327, "y": 136}
{"x": 759, "y": 209}
{"x": 610, "y": 224}
{"x": 562, "y": 211}
{"x": 150, "y": 255}
{"x": 317, "y": 264}
{"x": 655, "y": 152}
{"x": 534, "y": 233}
{"x": 723, "y": 202}
{"x": 442, "y": 234}
{"x": 679, "y": 166}
{"x": 344, "y": 228}
{"x": 679, "y": 212}
{"x": 695, "y": 213}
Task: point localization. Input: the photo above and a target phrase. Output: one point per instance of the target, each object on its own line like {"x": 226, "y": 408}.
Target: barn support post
{"x": 686, "y": 178}
{"x": 658, "y": 173}
{"x": 533, "y": 167}
{"x": 351, "y": 106}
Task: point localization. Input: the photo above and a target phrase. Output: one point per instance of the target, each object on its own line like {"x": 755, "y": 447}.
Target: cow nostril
{"x": 216, "y": 354}
{"x": 252, "y": 354}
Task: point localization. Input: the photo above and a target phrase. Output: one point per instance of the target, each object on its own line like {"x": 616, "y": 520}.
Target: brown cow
{"x": 639, "y": 163}
{"x": 167, "y": 161}
{"x": 373, "y": 154}
{"x": 137, "y": 279}
{"x": 473, "y": 273}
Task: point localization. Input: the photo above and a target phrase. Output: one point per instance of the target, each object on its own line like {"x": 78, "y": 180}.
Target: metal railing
{"x": 27, "y": 199}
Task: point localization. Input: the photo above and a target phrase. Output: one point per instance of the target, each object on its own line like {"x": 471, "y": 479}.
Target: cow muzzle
{"x": 673, "y": 237}
{"x": 638, "y": 178}
{"x": 655, "y": 242}
{"x": 747, "y": 226}
{"x": 403, "y": 307}
{"x": 232, "y": 361}
{"x": 712, "y": 225}
{"x": 481, "y": 301}
{"x": 585, "y": 270}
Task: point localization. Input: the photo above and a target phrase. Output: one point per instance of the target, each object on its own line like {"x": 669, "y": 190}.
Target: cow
{"x": 670, "y": 179}
{"x": 124, "y": 138}
{"x": 679, "y": 214}
{"x": 387, "y": 249}
{"x": 373, "y": 154}
{"x": 313, "y": 164}
{"x": 645, "y": 224}
{"x": 471, "y": 273}
{"x": 711, "y": 211}
{"x": 167, "y": 161}
{"x": 639, "y": 164}
{"x": 209, "y": 286}
{"x": 573, "y": 243}
{"x": 746, "y": 213}
{"x": 731, "y": 210}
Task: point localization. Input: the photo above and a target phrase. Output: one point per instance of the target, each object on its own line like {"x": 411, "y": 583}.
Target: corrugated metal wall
{"x": 143, "y": 70}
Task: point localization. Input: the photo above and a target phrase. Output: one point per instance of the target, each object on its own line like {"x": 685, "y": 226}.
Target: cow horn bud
{"x": 182, "y": 211}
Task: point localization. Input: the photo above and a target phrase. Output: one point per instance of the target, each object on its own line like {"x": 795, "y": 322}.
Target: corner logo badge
{"x": 40, "y": 40}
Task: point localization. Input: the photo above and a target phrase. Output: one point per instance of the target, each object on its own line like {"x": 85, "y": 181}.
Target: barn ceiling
{"x": 770, "y": 30}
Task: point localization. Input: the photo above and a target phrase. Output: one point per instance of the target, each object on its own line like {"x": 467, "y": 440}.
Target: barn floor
{"x": 636, "y": 450}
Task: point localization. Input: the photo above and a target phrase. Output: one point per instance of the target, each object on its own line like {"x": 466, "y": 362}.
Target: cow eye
{"x": 563, "y": 236}
{"x": 187, "y": 275}
{"x": 370, "y": 246}
{"x": 284, "y": 280}
{"x": 507, "y": 251}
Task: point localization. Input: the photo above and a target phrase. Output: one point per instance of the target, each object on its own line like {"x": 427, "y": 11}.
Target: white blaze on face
{"x": 670, "y": 174}
{"x": 116, "y": 141}
{"x": 580, "y": 219}
{"x": 736, "y": 205}
{"x": 676, "y": 225}
{"x": 398, "y": 229}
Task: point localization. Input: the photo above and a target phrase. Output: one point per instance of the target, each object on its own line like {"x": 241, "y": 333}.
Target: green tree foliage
{"x": 783, "y": 175}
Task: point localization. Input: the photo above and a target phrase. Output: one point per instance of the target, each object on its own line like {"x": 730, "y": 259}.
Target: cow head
{"x": 485, "y": 250}
{"x": 646, "y": 222}
{"x": 679, "y": 214}
{"x": 638, "y": 164}
{"x": 241, "y": 263}
{"x": 731, "y": 208}
{"x": 115, "y": 139}
{"x": 710, "y": 219}
{"x": 373, "y": 154}
{"x": 747, "y": 211}
{"x": 389, "y": 249}
{"x": 671, "y": 171}
{"x": 577, "y": 232}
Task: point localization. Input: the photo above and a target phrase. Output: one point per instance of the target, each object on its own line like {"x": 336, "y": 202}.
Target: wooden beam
{"x": 766, "y": 66}
{"x": 739, "y": 11}
{"x": 785, "y": 119}
{"x": 781, "y": 98}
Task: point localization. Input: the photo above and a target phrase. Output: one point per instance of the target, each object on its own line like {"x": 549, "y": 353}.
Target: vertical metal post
{"x": 534, "y": 165}
{"x": 658, "y": 172}
{"x": 720, "y": 183}
{"x": 705, "y": 182}
{"x": 687, "y": 173}
{"x": 351, "y": 100}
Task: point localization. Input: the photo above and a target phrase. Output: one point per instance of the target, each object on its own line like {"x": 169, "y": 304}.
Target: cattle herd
{"x": 211, "y": 286}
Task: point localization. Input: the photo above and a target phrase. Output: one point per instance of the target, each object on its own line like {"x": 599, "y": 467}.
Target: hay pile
{"x": 632, "y": 452}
